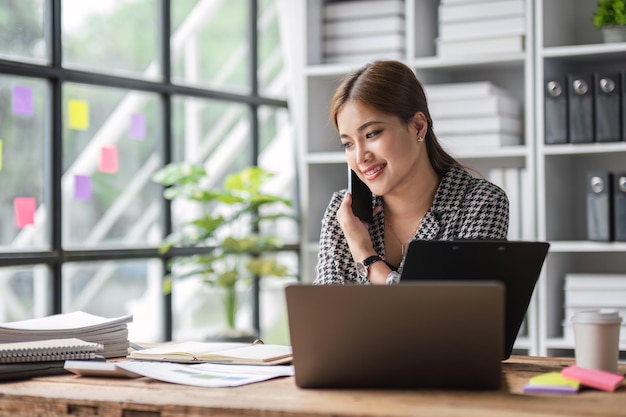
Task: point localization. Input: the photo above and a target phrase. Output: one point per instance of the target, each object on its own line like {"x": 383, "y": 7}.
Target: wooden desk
{"x": 69, "y": 395}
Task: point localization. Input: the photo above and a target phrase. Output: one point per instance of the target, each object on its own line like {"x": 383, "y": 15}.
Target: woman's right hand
{"x": 355, "y": 230}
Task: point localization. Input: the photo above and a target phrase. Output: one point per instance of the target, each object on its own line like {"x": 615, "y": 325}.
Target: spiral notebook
{"x": 48, "y": 350}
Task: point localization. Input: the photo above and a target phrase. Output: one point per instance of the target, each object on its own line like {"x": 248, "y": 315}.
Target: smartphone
{"x": 361, "y": 197}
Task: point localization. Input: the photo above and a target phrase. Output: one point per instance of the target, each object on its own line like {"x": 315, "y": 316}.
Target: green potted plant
{"x": 228, "y": 225}
{"x": 610, "y": 17}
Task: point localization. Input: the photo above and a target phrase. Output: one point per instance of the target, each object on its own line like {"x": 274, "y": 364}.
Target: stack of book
{"x": 471, "y": 27}
{"x": 43, "y": 357}
{"x": 111, "y": 333}
{"x": 474, "y": 114}
{"x": 593, "y": 292}
{"x": 363, "y": 30}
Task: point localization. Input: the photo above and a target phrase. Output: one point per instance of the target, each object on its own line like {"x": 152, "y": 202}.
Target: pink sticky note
{"x": 137, "y": 129}
{"x": 108, "y": 159}
{"x": 22, "y": 102}
{"x": 24, "y": 208}
{"x": 82, "y": 187}
{"x": 602, "y": 380}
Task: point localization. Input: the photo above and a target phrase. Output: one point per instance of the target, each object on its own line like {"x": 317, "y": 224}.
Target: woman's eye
{"x": 346, "y": 145}
{"x": 370, "y": 135}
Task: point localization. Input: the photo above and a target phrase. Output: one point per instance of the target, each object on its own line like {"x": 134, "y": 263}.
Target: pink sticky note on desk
{"x": 602, "y": 380}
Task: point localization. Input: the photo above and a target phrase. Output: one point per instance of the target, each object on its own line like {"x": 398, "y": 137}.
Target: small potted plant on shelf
{"x": 228, "y": 226}
{"x": 610, "y": 17}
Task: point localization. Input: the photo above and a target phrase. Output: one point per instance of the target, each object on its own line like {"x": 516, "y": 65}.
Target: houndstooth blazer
{"x": 464, "y": 207}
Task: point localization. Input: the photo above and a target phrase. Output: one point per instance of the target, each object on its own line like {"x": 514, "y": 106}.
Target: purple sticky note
{"x": 22, "y": 100}
{"x": 137, "y": 129}
{"x": 82, "y": 187}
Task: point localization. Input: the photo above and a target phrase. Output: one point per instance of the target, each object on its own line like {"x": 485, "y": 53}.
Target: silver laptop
{"x": 440, "y": 335}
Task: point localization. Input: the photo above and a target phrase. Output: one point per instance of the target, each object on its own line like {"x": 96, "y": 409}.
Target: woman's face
{"x": 383, "y": 151}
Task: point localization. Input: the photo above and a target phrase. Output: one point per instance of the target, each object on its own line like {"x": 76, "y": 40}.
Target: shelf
{"x": 584, "y": 148}
{"x": 587, "y": 246}
{"x": 585, "y": 52}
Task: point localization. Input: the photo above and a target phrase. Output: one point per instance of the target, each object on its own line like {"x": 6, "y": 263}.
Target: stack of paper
{"x": 111, "y": 333}
{"x": 468, "y": 27}
{"x": 593, "y": 292}
{"x": 363, "y": 30}
{"x": 474, "y": 114}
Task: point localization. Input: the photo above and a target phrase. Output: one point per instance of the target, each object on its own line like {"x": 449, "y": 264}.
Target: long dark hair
{"x": 391, "y": 87}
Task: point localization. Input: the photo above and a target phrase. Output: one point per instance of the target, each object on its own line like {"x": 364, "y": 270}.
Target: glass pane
{"x": 23, "y": 36}
{"x": 271, "y": 73}
{"x": 117, "y": 288}
{"x": 277, "y": 155}
{"x": 110, "y": 141}
{"x": 111, "y": 36}
{"x": 273, "y": 309}
{"x": 22, "y": 174}
{"x": 24, "y": 293}
{"x": 210, "y": 44}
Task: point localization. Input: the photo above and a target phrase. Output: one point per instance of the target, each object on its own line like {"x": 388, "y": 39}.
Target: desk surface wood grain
{"x": 69, "y": 395}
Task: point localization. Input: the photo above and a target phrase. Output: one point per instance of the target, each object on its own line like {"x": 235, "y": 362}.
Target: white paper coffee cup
{"x": 596, "y": 339}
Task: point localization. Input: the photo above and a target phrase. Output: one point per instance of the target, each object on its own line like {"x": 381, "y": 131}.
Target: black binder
{"x": 555, "y": 112}
{"x": 619, "y": 205}
{"x": 599, "y": 206}
{"x": 580, "y": 107}
{"x": 607, "y": 106}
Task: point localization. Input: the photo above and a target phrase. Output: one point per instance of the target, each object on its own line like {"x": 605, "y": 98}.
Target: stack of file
{"x": 485, "y": 27}
{"x": 474, "y": 114}
{"x": 594, "y": 292}
{"x": 363, "y": 30}
{"x": 111, "y": 333}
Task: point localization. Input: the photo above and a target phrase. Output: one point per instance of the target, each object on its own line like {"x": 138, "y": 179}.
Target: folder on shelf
{"x": 607, "y": 106}
{"x": 555, "y": 111}
{"x": 619, "y": 205}
{"x": 580, "y": 107}
{"x": 599, "y": 206}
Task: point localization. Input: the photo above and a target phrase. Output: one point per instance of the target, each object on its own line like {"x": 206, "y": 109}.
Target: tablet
{"x": 98, "y": 368}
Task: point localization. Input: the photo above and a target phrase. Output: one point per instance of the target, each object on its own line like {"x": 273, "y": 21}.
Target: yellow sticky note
{"x": 553, "y": 378}
{"x": 78, "y": 111}
{"x": 0, "y": 154}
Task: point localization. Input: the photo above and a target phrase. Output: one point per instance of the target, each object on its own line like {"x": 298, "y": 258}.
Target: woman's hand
{"x": 355, "y": 230}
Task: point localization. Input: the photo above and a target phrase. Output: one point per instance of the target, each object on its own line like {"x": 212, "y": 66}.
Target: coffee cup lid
{"x": 597, "y": 316}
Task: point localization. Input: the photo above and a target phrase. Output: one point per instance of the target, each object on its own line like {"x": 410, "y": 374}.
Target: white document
{"x": 206, "y": 374}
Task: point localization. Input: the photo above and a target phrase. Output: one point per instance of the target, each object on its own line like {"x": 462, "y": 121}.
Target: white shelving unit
{"x": 559, "y": 34}
{"x": 566, "y": 41}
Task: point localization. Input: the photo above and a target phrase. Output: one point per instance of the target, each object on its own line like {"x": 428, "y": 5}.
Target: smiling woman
{"x": 420, "y": 191}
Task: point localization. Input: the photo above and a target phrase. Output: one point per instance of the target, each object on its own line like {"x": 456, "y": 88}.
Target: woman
{"x": 421, "y": 192}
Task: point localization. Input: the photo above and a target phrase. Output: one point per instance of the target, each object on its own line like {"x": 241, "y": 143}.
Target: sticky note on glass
{"x": 22, "y": 101}
{"x": 108, "y": 160}
{"x": 24, "y": 208}
{"x": 78, "y": 111}
{"x": 138, "y": 126}
{"x": 82, "y": 187}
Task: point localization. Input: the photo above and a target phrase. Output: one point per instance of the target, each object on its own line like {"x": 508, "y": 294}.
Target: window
{"x": 96, "y": 96}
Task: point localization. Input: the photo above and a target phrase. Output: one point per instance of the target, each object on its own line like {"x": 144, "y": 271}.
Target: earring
{"x": 420, "y": 139}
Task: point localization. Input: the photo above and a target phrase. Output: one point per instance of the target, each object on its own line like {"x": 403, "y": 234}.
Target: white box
{"x": 484, "y": 140}
{"x": 363, "y": 58}
{"x": 365, "y": 44}
{"x": 482, "y": 28}
{"x": 493, "y": 124}
{"x": 484, "y": 106}
{"x": 465, "y": 90}
{"x": 481, "y": 46}
{"x": 599, "y": 281}
{"x": 482, "y": 10}
{"x": 364, "y": 26}
{"x": 364, "y": 8}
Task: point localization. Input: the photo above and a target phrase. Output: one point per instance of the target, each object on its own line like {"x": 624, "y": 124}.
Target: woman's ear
{"x": 420, "y": 124}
